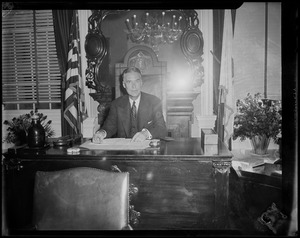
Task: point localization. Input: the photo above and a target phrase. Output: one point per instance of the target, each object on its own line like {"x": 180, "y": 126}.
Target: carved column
{"x": 96, "y": 50}
{"x": 221, "y": 170}
{"x": 203, "y": 116}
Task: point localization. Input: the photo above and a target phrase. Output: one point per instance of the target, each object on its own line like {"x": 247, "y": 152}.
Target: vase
{"x": 36, "y": 133}
{"x": 260, "y": 144}
{"x": 21, "y": 138}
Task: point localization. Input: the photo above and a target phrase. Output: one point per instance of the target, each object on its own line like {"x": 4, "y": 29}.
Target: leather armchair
{"x": 81, "y": 199}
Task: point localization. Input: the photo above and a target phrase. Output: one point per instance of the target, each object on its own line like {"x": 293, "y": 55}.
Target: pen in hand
{"x": 98, "y": 138}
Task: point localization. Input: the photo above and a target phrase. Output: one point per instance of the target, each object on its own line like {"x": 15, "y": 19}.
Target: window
{"x": 30, "y": 72}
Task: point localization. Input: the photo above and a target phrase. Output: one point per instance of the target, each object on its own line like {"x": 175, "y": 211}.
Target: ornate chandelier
{"x": 153, "y": 32}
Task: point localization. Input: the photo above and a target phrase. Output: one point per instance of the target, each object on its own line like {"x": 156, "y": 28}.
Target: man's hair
{"x": 131, "y": 69}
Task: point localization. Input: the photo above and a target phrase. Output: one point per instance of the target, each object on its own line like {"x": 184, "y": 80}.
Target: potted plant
{"x": 259, "y": 120}
{"x": 18, "y": 128}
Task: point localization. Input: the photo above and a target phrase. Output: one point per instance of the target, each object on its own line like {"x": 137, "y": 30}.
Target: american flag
{"x": 74, "y": 110}
{"x": 226, "y": 86}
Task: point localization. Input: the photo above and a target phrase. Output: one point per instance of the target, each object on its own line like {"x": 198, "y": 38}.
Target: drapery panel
{"x": 62, "y": 20}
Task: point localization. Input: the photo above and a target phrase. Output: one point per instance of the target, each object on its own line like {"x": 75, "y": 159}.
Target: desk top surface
{"x": 258, "y": 168}
{"x": 188, "y": 148}
{"x": 260, "y": 164}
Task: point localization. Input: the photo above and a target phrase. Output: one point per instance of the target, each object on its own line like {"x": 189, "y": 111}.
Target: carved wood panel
{"x": 191, "y": 43}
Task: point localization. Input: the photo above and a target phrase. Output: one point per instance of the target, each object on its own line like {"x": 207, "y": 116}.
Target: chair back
{"x": 81, "y": 199}
{"x": 154, "y": 72}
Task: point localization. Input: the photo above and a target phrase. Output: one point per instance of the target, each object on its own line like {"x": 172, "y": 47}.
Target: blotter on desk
{"x": 116, "y": 144}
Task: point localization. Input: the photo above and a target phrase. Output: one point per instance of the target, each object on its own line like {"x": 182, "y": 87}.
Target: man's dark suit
{"x": 149, "y": 116}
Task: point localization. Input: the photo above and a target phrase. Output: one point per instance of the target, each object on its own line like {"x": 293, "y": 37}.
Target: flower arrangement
{"x": 257, "y": 117}
{"x": 18, "y": 127}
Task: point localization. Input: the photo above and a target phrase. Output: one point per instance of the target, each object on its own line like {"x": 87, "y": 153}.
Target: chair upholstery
{"x": 81, "y": 199}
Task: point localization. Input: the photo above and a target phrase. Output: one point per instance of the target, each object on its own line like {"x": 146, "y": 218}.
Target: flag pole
{"x": 266, "y": 52}
{"x": 79, "y": 76}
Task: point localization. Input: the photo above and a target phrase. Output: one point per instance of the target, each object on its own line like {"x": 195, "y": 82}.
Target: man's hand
{"x": 140, "y": 136}
{"x": 98, "y": 137}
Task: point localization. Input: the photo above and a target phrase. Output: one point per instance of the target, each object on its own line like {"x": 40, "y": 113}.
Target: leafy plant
{"x": 257, "y": 116}
{"x": 21, "y": 124}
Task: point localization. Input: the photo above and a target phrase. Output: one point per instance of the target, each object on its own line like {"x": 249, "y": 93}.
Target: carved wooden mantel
{"x": 179, "y": 112}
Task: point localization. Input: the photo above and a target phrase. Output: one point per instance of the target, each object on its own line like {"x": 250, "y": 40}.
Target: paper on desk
{"x": 250, "y": 162}
{"x": 116, "y": 144}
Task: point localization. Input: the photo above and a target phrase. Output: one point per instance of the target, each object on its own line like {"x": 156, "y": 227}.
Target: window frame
{"x": 31, "y": 76}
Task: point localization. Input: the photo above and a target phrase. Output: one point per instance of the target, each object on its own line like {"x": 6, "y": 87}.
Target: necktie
{"x": 133, "y": 120}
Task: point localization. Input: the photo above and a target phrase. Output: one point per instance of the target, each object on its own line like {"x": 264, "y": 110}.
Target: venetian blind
{"x": 30, "y": 70}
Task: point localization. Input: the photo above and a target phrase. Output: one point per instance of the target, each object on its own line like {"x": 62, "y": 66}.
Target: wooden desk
{"x": 179, "y": 187}
{"x": 253, "y": 190}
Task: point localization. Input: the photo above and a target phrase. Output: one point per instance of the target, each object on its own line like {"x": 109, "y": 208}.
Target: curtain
{"x": 62, "y": 23}
{"x": 62, "y": 20}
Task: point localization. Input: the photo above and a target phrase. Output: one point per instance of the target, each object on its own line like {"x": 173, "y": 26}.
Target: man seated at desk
{"x": 137, "y": 115}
